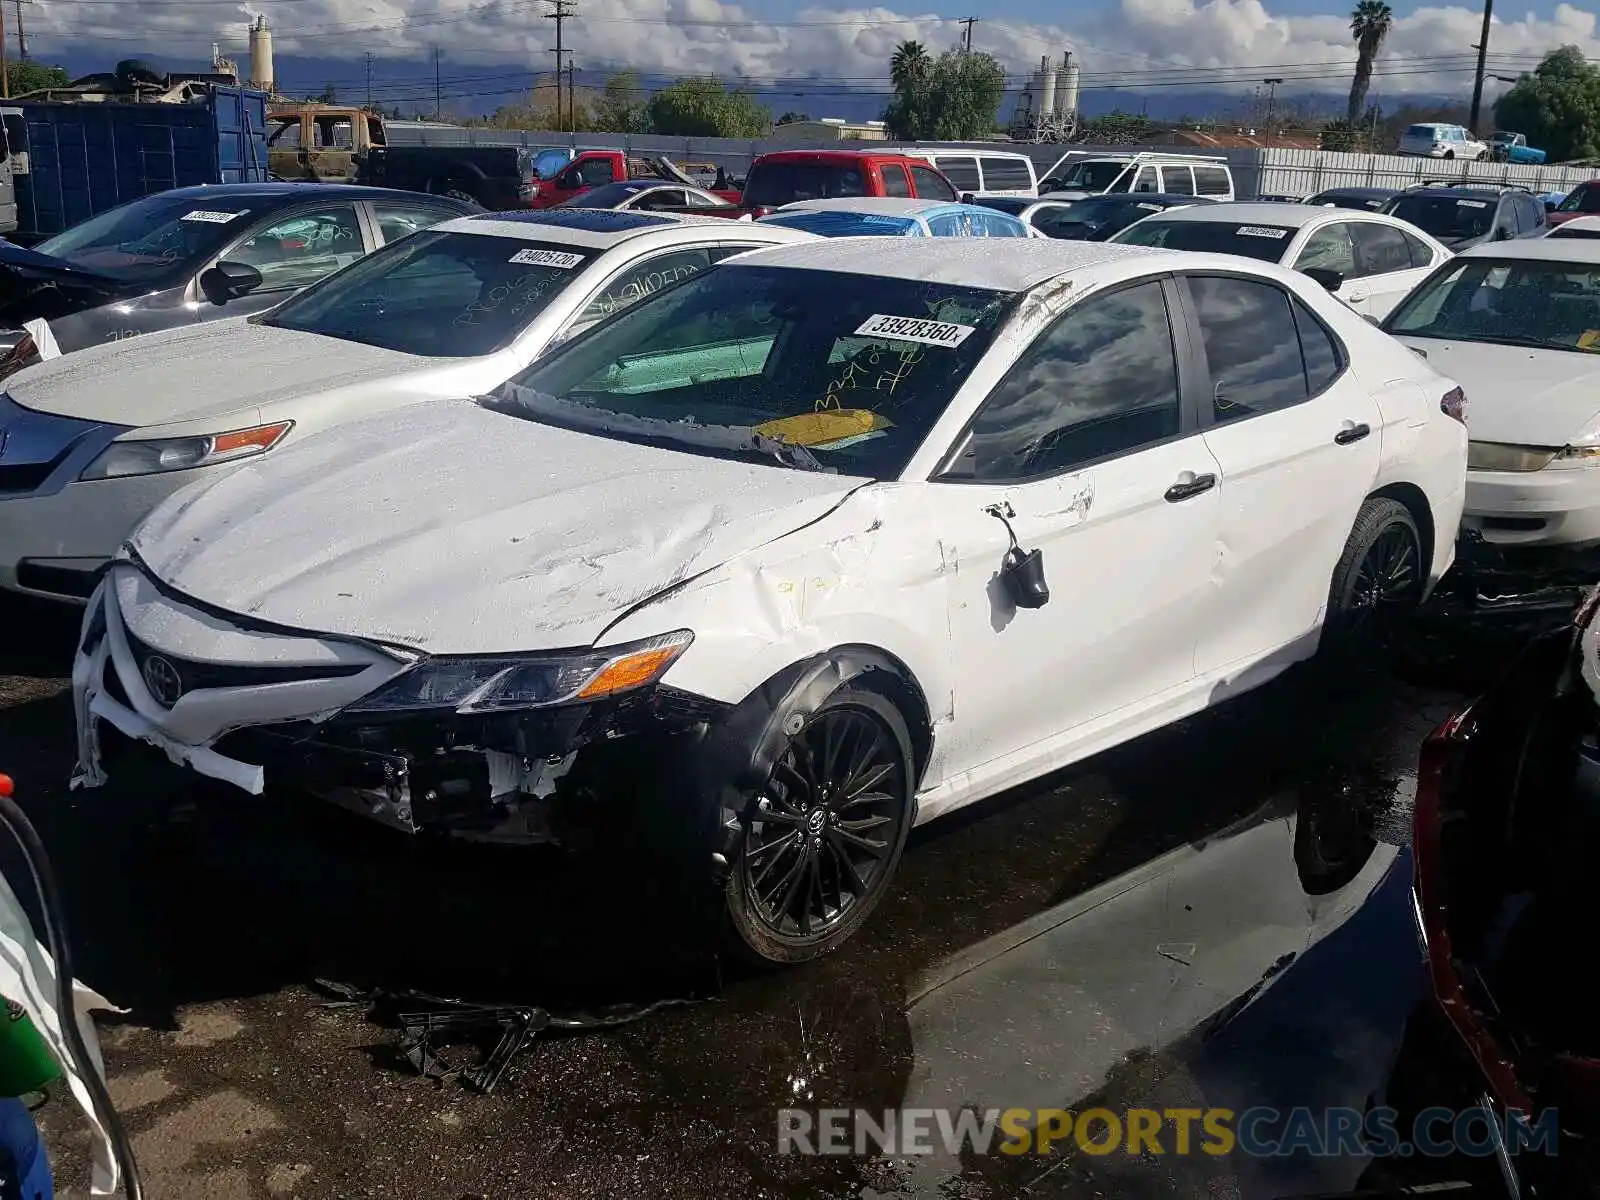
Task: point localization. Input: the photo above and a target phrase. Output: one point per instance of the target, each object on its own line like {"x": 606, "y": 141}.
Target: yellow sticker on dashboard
{"x": 1589, "y": 339}
{"x": 824, "y": 428}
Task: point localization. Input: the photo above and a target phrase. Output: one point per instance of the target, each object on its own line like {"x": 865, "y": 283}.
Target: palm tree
{"x": 909, "y": 65}
{"x": 1369, "y": 25}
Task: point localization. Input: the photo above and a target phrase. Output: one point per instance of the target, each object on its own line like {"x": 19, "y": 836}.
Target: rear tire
{"x": 825, "y": 834}
{"x": 1378, "y": 580}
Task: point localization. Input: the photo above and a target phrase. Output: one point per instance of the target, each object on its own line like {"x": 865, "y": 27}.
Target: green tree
{"x": 1557, "y": 107}
{"x": 1369, "y": 25}
{"x": 30, "y": 76}
{"x": 622, "y": 106}
{"x": 328, "y": 95}
{"x": 956, "y": 97}
{"x": 1117, "y": 128}
{"x": 700, "y": 106}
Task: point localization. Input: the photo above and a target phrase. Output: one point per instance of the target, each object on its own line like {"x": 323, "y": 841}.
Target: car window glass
{"x": 1101, "y": 381}
{"x": 1177, "y": 180}
{"x": 662, "y": 198}
{"x": 1251, "y": 346}
{"x": 1055, "y": 220}
{"x": 593, "y": 172}
{"x": 1147, "y": 181}
{"x": 931, "y": 185}
{"x": 1323, "y": 362}
{"x": 1211, "y": 181}
{"x": 396, "y": 219}
{"x": 952, "y": 225}
{"x": 1380, "y": 249}
{"x": 286, "y": 136}
{"x": 1330, "y": 249}
{"x": 1421, "y": 255}
{"x": 895, "y": 182}
{"x": 301, "y": 249}
{"x": 643, "y": 279}
{"x": 1005, "y": 174}
{"x": 961, "y": 171}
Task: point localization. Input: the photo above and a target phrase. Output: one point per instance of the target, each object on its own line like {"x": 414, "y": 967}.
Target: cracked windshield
{"x": 446, "y": 295}
{"x": 1550, "y": 305}
{"x": 816, "y": 369}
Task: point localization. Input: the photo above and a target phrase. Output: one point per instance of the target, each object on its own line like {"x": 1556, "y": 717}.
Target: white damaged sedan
{"x": 791, "y": 557}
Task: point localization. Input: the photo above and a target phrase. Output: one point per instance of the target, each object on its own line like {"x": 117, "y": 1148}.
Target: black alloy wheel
{"x": 1380, "y": 576}
{"x": 826, "y": 832}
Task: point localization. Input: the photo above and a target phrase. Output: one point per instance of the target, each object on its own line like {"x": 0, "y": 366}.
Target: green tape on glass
{"x": 26, "y": 1063}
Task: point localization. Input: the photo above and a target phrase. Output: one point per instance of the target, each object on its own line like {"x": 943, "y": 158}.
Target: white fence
{"x": 1305, "y": 172}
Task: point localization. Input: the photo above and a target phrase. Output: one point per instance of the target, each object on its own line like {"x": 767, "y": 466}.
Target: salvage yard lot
{"x": 209, "y": 914}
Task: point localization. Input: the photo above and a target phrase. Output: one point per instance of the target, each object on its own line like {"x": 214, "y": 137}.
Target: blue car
{"x": 890, "y": 216}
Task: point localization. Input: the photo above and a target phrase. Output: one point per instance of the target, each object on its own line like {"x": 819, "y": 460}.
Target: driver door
{"x": 291, "y": 249}
{"x": 1089, "y": 450}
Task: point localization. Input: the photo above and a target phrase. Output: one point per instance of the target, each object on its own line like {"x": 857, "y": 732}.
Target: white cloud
{"x": 1142, "y": 43}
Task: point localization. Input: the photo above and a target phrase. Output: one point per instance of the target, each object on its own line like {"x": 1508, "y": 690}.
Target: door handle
{"x": 1356, "y": 296}
{"x": 1351, "y": 433}
{"x": 1190, "y": 484}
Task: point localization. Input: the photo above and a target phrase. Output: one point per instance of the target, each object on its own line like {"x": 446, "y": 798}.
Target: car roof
{"x": 1139, "y": 198}
{"x": 883, "y": 206}
{"x": 601, "y": 228}
{"x": 1373, "y": 192}
{"x": 1257, "y": 212}
{"x": 838, "y": 156}
{"x": 1578, "y": 250}
{"x": 1591, "y": 221}
{"x": 292, "y": 191}
{"x": 1003, "y": 264}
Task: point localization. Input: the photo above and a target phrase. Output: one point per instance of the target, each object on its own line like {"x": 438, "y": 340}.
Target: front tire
{"x": 1378, "y": 580}
{"x": 825, "y": 834}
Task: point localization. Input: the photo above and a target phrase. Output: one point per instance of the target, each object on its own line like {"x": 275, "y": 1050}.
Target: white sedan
{"x": 1521, "y": 320}
{"x": 90, "y": 442}
{"x": 785, "y": 560}
{"x": 1370, "y": 261}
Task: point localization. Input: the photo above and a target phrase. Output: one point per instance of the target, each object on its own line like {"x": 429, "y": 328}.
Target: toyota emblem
{"x": 163, "y": 680}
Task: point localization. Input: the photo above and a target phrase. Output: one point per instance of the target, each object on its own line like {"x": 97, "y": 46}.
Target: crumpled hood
{"x": 34, "y": 285}
{"x": 198, "y": 371}
{"x": 1520, "y": 396}
{"x": 457, "y": 529}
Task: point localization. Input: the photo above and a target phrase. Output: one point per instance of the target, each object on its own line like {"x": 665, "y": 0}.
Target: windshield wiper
{"x": 790, "y": 454}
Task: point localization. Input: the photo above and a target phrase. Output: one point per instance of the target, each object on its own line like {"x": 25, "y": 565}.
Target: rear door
{"x": 1290, "y": 427}
{"x": 1385, "y": 271}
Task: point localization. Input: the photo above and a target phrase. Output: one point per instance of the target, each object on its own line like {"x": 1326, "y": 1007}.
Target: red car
{"x": 784, "y": 176}
{"x": 1507, "y": 818}
{"x": 1581, "y": 201}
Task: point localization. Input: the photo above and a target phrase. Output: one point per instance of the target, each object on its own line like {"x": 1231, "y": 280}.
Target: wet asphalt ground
{"x": 209, "y": 914}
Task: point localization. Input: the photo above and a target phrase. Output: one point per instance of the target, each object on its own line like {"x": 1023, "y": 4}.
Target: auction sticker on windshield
{"x": 210, "y": 217}
{"x": 914, "y": 329}
{"x": 547, "y": 258}
{"x": 1265, "y": 231}
{"x": 1472, "y": 204}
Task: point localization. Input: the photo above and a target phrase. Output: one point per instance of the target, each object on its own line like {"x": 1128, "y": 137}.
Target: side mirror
{"x": 1022, "y": 574}
{"x": 1326, "y": 276}
{"x": 1502, "y": 234}
{"x": 1372, "y": 320}
{"x": 229, "y": 281}
{"x": 968, "y": 198}
{"x": 569, "y": 179}
{"x": 1050, "y": 184}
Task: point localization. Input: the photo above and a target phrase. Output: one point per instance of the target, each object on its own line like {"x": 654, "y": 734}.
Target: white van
{"x": 983, "y": 172}
{"x": 1433, "y": 140}
{"x": 1076, "y": 175}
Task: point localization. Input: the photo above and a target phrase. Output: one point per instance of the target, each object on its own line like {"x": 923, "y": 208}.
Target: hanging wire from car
{"x": 55, "y": 930}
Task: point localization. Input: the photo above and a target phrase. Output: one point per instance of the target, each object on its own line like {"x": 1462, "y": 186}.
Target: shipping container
{"x": 84, "y": 158}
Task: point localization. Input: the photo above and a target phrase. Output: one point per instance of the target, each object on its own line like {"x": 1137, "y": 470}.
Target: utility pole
{"x": 969, "y": 22}
{"x": 5, "y": 71}
{"x": 1272, "y": 99}
{"x": 1483, "y": 55}
{"x": 369, "y": 75}
{"x": 572, "y": 90}
{"x": 563, "y": 10}
{"x": 22, "y": 34}
{"x": 438, "y": 94}
{"x": 1372, "y": 139}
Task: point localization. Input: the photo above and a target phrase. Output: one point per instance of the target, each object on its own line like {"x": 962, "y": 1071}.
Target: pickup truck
{"x": 333, "y": 143}
{"x": 1513, "y": 148}
{"x": 557, "y": 181}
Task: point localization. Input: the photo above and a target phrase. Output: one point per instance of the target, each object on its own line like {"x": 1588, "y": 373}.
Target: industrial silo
{"x": 1066, "y": 87}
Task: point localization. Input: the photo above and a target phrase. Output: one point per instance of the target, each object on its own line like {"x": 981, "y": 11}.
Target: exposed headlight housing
{"x": 487, "y": 685}
{"x": 155, "y": 455}
{"x": 1501, "y": 456}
